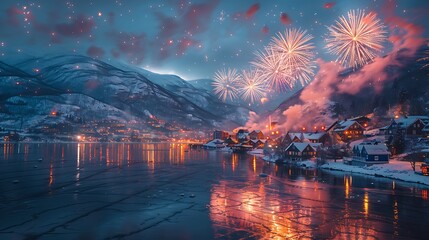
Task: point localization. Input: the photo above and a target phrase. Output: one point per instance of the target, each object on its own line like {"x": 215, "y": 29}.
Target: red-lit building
{"x": 347, "y": 130}
{"x": 256, "y": 134}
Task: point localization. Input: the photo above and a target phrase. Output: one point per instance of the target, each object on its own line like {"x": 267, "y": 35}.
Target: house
{"x": 347, "y": 130}
{"x": 369, "y": 153}
{"x": 215, "y": 144}
{"x": 242, "y": 135}
{"x": 362, "y": 120}
{"x": 409, "y": 125}
{"x": 299, "y": 151}
{"x": 230, "y": 141}
{"x": 313, "y": 137}
{"x": 256, "y": 134}
{"x": 293, "y": 137}
{"x": 257, "y": 143}
{"x": 220, "y": 135}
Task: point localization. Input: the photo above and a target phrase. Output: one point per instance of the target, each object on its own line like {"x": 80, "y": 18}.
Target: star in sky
{"x": 190, "y": 38}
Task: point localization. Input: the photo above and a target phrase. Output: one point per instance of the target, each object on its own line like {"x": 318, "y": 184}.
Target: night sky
{"x": 192, "y": 39}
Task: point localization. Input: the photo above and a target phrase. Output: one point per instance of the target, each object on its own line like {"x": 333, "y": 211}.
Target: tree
{"x": 415, "y": 157}
{"x": 397, "y": 142}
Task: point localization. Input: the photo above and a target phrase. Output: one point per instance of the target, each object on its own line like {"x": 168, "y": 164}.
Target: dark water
{"x": 168, "y": 191}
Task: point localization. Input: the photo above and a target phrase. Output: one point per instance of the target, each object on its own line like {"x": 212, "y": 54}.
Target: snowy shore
{"x": 399, "y": 170}
{"x": 395, "y": 169}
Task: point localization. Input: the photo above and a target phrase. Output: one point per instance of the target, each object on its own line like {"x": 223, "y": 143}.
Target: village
{"x": 355, "y": 141}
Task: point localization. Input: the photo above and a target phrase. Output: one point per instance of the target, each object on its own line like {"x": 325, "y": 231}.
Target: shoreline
{"x": 395, "y": 170}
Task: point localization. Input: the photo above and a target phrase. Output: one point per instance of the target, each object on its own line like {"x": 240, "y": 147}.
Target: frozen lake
{"x": 168, "y": 191}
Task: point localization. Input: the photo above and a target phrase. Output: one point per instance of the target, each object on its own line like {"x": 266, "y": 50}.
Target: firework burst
{"x": 251, "y": 87}
{"x": 356, "y": 39}
{"x": 272, "y": 69}
{"x": 225, "y": 82}
{"x": 295, "y": 48}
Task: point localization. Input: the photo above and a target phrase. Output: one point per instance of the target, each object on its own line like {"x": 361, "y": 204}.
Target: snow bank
{"x": 400, "y": 170}
{"x": 268, "y": 158}
{"x": 256, "y": 152}
{"x": 307, "y": 164}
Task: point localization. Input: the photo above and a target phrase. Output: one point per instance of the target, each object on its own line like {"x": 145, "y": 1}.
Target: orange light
{"x": 396, "y": 116}
{"x": 346, "y": 132}
{"x": 54, "y": 113}
{"x": 272, "y": 133}
{"x": 277, "y": 132}
{"x": 303, "y": 128}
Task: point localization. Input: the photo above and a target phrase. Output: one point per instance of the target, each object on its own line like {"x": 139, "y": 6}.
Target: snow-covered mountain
{"x": 81, "y": 86}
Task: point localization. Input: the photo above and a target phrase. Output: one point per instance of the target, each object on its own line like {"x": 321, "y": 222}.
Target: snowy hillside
{"x": 79, "y": 85}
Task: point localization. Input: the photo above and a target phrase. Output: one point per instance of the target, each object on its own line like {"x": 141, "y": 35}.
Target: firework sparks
{"x": 425, "y": 59}
{"x": 225, "y": 84}
{"x": 273, "y": 69}
{"x": 356, "y": 39}
{"x": 251, "y": 87}
{"x": 297, "y": 51}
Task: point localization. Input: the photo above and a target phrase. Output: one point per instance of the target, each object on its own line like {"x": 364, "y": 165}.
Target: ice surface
{"x": 168, "y": 191}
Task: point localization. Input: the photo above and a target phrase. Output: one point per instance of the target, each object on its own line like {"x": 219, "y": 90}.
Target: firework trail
{"x": 225, "y": 82}
{"x": 251, "y": 86}
{"x": 295, "y": 48}
{"x": 356, "y": 38}
{"x": 425, "y": 58}
{"x": 273, "y": 70}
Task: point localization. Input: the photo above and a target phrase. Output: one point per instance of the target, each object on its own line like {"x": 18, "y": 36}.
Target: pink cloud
{"x": 184, "y": 44}
{"x": 285, "y": 19}
{"x": 78, "y": 27}
{"x": 95, "y": 52}
{"x": 315, "y": 99}
{"x": 265, "y": 29}
{"x": 196, "y": 17}
{"x": 329, "y": 5}
{"x": 252, "y": 10}
{"x": 130, "y": 45}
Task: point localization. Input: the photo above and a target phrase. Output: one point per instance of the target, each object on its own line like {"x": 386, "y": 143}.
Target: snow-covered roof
{"x": 315, "y": 146}
{"x": 214, "y": 143}
{"x": 242, "y": 135}
{"x": 256, "y": 131}
{"x": 385, "y": 127}
{"x": 359, "y": 117}
{"x": 379, "y": 149}
{"x": 358, "y": 147}
{"x": 314, "y": 136}
{"x": 302, "y": 146}
{"x": 409, "y": 120}
{"x": 344, "y": 125}
{"x": 293, "y": 135}
{"x": 309, "y": 136}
